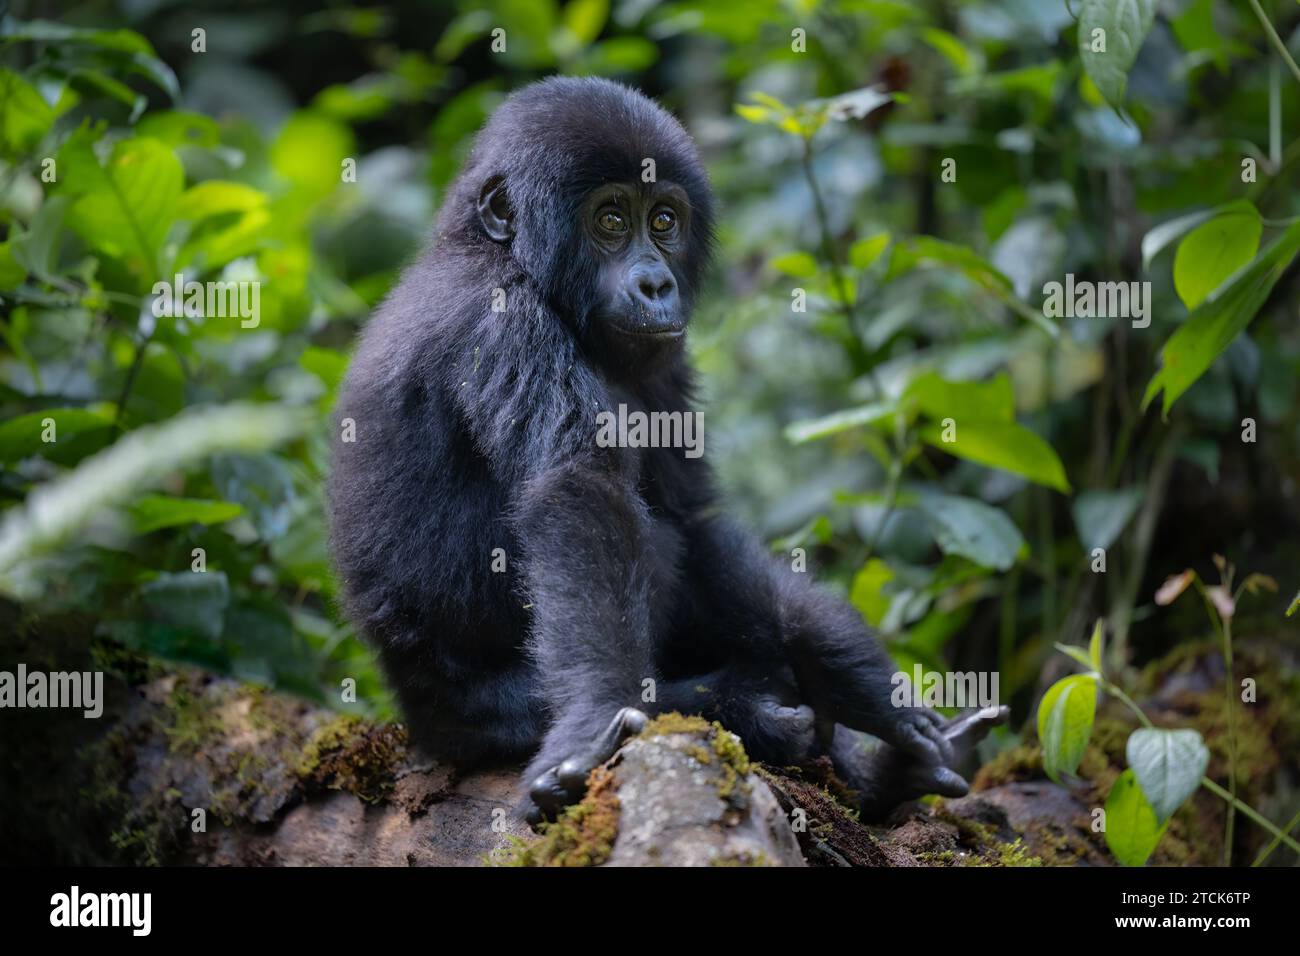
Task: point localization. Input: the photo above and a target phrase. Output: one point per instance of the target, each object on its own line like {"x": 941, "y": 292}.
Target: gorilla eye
{"x": 611, "y": 221}
{"x": 663, "y": 221}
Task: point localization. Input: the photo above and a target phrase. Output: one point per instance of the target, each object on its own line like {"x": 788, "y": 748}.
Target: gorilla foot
{"x": 566, "y": 782}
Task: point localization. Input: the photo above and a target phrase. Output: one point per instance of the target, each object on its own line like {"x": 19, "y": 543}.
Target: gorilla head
{"x": 601, "y": 198}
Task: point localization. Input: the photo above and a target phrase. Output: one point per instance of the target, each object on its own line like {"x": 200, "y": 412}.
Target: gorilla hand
{"x": 886, "y": 776}
{"x": 566, "y": 782}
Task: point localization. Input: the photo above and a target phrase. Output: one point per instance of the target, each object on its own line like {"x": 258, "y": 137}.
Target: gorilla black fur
{"x": 475, "y": 430}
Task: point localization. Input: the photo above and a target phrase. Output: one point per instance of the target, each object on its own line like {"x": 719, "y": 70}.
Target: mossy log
{"x": 189, "y": 768}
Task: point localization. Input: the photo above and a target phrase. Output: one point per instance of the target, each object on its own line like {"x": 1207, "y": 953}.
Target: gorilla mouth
{"x": 660, "y": 335}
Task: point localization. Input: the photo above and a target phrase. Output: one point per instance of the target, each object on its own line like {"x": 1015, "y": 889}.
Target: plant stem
{"x": 1232, "y": 741}
{"x": 1265, "y": 853}
{"x": 1275, "y": 39}
{"x": 1127, "y": 701}
{"x": 891, "y": 496}
{"x": 1249, "y": 811}
{"x": 833, "y": 261}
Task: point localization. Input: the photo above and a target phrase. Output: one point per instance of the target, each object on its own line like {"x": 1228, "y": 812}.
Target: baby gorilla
{"x": 530, "y": 585}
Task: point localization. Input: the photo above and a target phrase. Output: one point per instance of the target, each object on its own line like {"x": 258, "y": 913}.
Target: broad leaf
{"x": 1065, "y": 717}
{"x": 24, "y": 435}
{"x": 964, "y": 401}
{"x": 1215, "y": 250}
{"x": 800, "y": 432}
{"x": 125, "y": 208}
{"x": 974, "y": 530}
{"x": 1123, "y": 25}
{"x": 1100, "y": 516}
{"x": 159, "y": 511}
{"x": 1132, "y": 830}
{"x": 1219, "y": 319}
{"x": 1168, "y": 765}
{"x": 1005, "y": 445}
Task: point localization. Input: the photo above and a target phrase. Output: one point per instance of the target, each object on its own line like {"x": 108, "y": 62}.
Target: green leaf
{"x": 1158, "y": 239}
{"x": 866, "y": 251}
{"x": 954, "y": 51}
{"x": 867, "y": 593}
{"x": 584, "y": 19}
{"x": 25, "y": 117}
{"x": 1295, "y": 605}
{"x": 309, "y": 152}
{"x": 1100, "y": 516}
{"x": 973, "y": 529}
{"x": 1215, "y": 250}
{"x": 159, "y": 511}
{"x": 1075, "y": 654}
{"x": 1168, "y": 765}
{"x": 800, "y": 432}
{"x": 801, "y": 265}
{"x": 57, "y": 510}
{"x": 1065, "y": 717}
{"x": 992, "y": 401}
{"x": 1004, "y": 445}
{"x": 1219, "y": 319}
{"x": 1125, "y": 24}
{"x": 1095, "y": 644}
{"x": 215, "y": 197}
{"x": 926, "y": 251}
{"x": 191, "y": 602}
{"x": 22, "y": 436}
{"x": 125, "y": 208}
{"x": 1132, "y": 830}
{"x": 37, "y": 249}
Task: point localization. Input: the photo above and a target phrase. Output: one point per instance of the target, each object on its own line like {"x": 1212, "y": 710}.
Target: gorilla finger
{"x": 943, "y": 781}
{"x": 548, "y": 794}
{"x": 573, "y": 774}
{"x": 914, "y": 741}
{"x": 934, "y": 733}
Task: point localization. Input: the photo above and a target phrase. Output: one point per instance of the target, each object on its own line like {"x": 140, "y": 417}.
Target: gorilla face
{"x": 637, "y": 236}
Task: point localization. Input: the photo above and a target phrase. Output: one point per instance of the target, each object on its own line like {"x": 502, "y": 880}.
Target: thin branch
{"x": 1275, "y": 39}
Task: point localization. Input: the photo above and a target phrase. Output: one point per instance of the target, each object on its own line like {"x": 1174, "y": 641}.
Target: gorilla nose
{"x": 653, "y": 286}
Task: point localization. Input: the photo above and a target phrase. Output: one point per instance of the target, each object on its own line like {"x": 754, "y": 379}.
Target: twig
{"x": 1275, "y": 39}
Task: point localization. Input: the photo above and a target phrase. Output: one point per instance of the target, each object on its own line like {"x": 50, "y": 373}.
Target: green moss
{"x": 674, "y": 723}
{"x": 723, "y": 746}
{"x": 744, "y": 858}
{"x": 353, "y": 755}
{"x": 734, "y": 762}
{"x": 189, "y": 722}
{"x": 583, "y": 835}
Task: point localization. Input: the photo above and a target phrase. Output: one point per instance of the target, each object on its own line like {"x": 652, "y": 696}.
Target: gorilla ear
{"x": 494, "y": 210}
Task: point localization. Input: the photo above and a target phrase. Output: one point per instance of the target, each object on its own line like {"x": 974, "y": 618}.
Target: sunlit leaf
{"x": 1065, "y": 717}
{"x": 1132, "y": 830}
{"x": 1219, "y": 319}
{"x": 1215, "y": 250}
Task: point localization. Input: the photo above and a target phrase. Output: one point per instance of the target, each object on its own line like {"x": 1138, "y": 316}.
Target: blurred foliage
{"x": 142, "y": 140}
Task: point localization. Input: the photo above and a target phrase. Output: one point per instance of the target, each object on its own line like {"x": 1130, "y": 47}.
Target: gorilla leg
{"x": 762, "y": 709}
